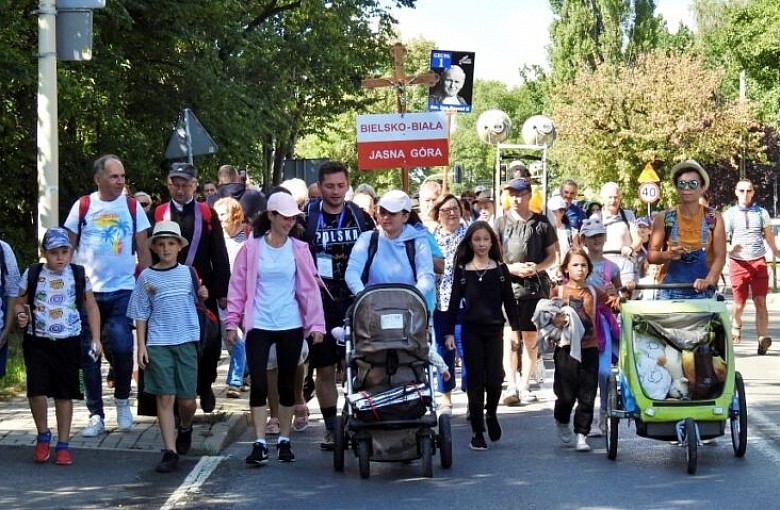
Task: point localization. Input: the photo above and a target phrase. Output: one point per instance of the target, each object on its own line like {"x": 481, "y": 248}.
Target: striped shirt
{"x": 165, "y": 299}
{"x": 745, "y": 227}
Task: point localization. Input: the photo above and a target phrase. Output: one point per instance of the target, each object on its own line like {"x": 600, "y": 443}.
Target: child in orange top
{"x": 576, "y": 380}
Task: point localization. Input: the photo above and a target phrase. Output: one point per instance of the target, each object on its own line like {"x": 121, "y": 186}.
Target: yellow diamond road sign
{"x": 648, "y": 175}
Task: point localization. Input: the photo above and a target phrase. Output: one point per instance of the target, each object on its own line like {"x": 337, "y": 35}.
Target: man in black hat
{"x": 206, "y": 253}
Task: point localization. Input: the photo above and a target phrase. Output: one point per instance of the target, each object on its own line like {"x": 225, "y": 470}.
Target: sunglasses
{"x": 145, "y": 204}
{"x": 692, "y": 184}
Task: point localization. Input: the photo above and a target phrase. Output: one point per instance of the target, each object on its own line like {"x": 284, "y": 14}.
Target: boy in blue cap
{"x": 50, "y": 312}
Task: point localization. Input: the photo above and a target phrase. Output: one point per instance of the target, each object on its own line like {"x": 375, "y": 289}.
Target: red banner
{"x": 406, "y": 154}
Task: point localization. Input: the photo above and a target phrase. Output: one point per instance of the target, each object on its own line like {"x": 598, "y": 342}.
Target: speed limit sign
{"x": 649, "y": 192}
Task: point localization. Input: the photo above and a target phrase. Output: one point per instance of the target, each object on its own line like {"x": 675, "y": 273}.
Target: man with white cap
{"x": 108, "y": 231}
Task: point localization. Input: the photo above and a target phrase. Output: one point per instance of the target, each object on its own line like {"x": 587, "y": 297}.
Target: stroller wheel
{"x": 364, "y": 455}
{"x": 338, "y": 445}
{"x": 426, "y": 450}
{"x": 738, "y": 417}
{"x": 445, "y": 441}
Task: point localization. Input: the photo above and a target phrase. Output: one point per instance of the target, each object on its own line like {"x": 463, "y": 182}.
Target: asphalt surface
{"x": 117, "y": 469}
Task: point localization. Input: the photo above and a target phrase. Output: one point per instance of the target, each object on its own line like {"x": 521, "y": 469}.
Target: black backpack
{"x": 372, "y": 246}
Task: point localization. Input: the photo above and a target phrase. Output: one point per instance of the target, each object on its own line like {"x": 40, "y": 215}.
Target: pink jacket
{"x": 243, "y": 282}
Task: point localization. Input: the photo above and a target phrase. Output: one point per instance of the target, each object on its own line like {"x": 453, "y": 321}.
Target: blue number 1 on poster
{"x": 441, "y": 59}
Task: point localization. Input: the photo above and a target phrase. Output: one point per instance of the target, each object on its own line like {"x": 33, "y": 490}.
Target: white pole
{"x": 48, "y": 145}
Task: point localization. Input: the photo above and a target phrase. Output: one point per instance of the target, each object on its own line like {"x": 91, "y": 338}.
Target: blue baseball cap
{"x": 56, "y": 237}
{"x": 520, "y": 184}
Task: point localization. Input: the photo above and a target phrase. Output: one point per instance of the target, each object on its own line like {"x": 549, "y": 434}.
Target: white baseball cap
{"x": 284, "y": 204}
{"x": 395, "y": 201}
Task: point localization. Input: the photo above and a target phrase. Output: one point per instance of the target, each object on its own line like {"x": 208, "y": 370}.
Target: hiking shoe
{"x": 208, "y": 401}
{"x": 94, "y": 427}
{"x": 170, "y": 460}
{"x": 329, "y": 441}
{"x": 259, "y": 455}
{"x": 41, "y": 452}
{"x": 564, "y": 433}
{"x": 284, "y": 452}
{"x": 62, "y": 457}
{"x": 582, "y": 444}
{"x": 493, "y": 428}
{"x": 478, "y": 442}
{"x": 763, "y": 345}
{"x": 183, "y": 441}
{"x": 124, "y": 416}
{"x": 233, "y": 392}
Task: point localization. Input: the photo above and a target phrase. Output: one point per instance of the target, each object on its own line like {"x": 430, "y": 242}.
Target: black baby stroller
{"x": 390, "y": 411}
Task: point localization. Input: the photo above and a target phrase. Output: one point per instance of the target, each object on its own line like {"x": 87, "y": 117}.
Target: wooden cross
{"x": 399, "y": 82}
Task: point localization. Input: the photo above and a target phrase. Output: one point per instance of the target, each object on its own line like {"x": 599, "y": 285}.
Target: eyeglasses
{"x": 449, "y": 210}
{"x": 692, "y": 184}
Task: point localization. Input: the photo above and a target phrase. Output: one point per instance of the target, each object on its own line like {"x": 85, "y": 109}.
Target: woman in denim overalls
{"x": 691, "y": 242}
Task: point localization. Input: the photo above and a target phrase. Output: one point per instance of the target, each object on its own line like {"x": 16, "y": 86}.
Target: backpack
{"x": 205, "y": 211}
{"x": 372, "y": 247}
{"x": 34, "y": 274}
{"x": 132, "y": 206}
{"x": 313, "y": 213}
{"x": 670, "y": 218}
{"x": 210, "y": 327}
{"x": 4, "y": 275}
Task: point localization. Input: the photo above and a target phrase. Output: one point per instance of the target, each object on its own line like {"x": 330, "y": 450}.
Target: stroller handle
{"x": 657, "y": 286}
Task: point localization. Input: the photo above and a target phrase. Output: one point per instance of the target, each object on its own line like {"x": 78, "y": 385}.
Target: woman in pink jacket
{"x": 274, "y": 289}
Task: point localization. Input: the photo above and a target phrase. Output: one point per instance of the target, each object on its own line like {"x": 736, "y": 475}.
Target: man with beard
{"x": 332, "y": 227}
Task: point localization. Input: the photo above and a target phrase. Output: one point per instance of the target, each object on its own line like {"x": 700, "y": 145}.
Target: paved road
{"x": 527, "y": 469}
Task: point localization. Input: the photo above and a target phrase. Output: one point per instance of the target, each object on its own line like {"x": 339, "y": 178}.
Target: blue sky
{"x": 505, "y": 34}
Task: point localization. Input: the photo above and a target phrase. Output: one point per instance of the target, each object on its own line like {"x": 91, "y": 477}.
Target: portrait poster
{"x": 456, "y": 81}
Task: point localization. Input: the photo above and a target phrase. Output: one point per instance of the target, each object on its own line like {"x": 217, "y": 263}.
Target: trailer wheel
{"x": 738, "y": 417}
{"x": 691, "y": 445}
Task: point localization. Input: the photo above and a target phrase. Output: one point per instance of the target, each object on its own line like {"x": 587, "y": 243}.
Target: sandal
{"x": 736, "y": 334}
{"x": 272, "y": 427}
{"x": 301, "y": 421}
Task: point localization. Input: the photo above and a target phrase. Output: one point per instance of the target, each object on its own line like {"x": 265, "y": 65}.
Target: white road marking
{"x": 197, "y": 477}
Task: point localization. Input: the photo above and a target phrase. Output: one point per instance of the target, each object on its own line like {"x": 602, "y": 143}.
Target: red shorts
{"x": 748, "y": 277}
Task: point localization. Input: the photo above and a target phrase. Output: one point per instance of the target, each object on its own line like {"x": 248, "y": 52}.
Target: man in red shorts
{"x": 747, "y": 226}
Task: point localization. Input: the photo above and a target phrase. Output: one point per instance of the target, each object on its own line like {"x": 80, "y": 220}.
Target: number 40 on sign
{"x": 649, "y": 192}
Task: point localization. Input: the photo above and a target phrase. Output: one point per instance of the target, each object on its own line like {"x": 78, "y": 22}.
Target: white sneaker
{"x": 564, "y": 432}
{"x": 124, "y": 416}
{"x": 526, "y": 397}
{"x": 582, "y": 444}
{"x": 94, "y": 427}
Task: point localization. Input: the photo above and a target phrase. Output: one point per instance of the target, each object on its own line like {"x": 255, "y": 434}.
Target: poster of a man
{"x": 456, "y": 79}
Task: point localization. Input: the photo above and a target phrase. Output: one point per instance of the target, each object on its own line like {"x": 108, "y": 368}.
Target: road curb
{"x": 226, "y": 432}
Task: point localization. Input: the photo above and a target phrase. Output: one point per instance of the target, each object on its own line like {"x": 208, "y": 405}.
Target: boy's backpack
{"x": 210, "y": 328}
{"x": 132, "y": 206}
{"x": 372, "y": 247}
{"x": 34, "y": 274}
